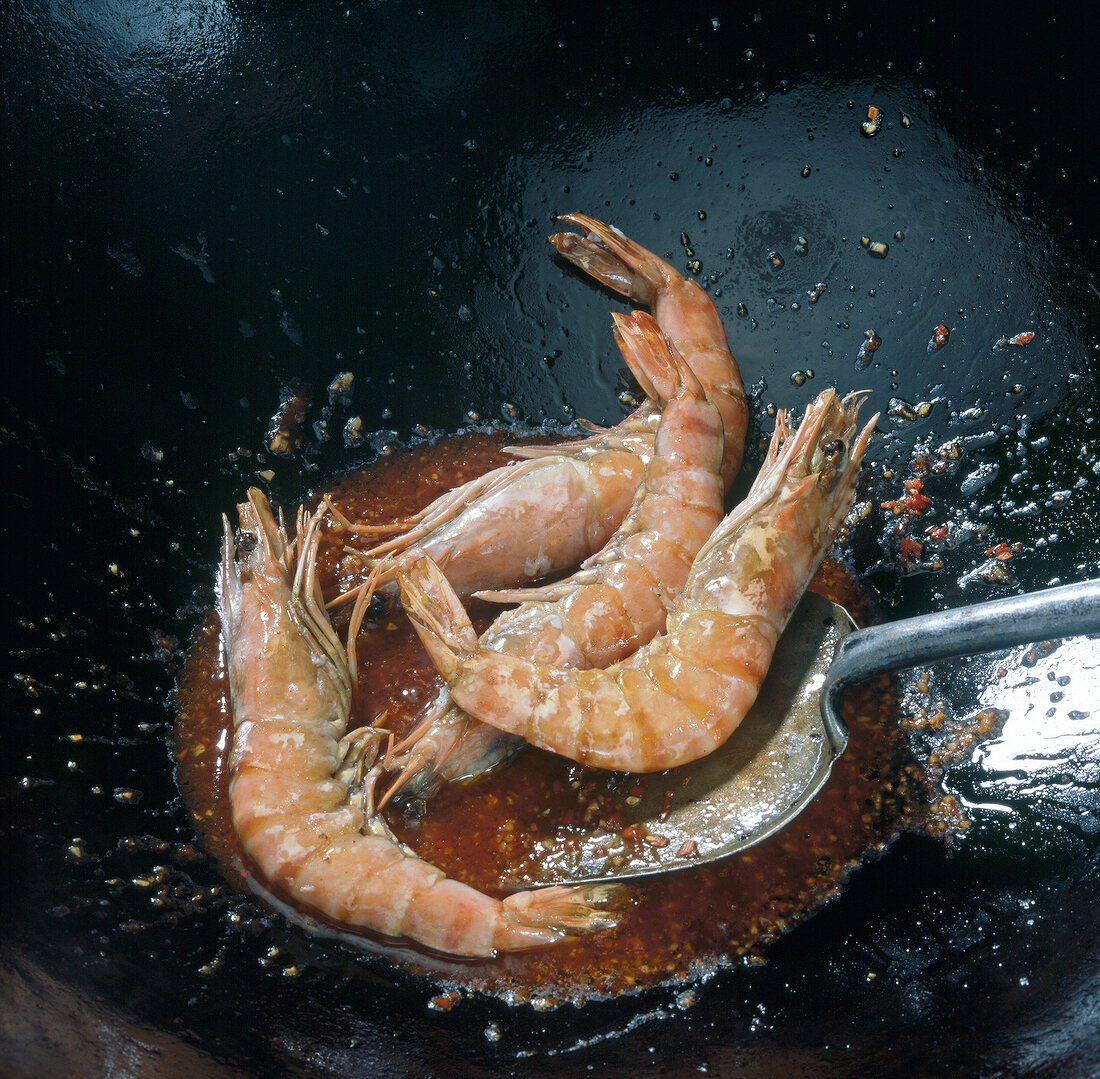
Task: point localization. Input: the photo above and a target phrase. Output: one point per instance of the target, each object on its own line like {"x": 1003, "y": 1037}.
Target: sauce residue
{"x": 676, "y": 927}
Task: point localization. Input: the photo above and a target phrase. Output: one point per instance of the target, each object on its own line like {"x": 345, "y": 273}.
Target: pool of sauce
{"x": 675, "y": 927}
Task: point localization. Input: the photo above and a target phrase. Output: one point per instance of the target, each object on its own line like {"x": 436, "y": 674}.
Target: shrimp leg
{"x": 313, "y": 839}
{"x": 682, "y": 695}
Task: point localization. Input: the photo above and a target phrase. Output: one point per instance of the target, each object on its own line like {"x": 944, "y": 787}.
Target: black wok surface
{"x": 202, "y": 203}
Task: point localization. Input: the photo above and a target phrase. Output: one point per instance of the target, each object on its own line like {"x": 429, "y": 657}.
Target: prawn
{"x": 303, "y": 811}
{"x": 682, "y": 695}
{"x": 683, "y": 310}
{"x": 558, "y": 504}
{"x": 619, "y": 598}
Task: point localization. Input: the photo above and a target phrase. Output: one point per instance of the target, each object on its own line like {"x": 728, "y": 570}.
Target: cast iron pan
{"x": 204, "y": 202}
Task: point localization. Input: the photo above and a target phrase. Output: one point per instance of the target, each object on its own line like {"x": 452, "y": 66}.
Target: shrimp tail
{"x": 437, "y": 615}
{"x": 607, "y": 255}
{"x": 565, "y": 909}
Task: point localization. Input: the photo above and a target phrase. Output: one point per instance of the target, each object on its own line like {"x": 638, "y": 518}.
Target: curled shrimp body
{"x": 620, "y": 597}
{"x": 559, "y": 504}
{"x": 682, "y": 308}
{"x": 682, "y": 695}
{"x": 303, "y": 819}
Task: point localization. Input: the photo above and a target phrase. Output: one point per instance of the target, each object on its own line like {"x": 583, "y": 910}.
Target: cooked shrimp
{"x": 682, "y": 695}
{"x": 302, "y": 819}
{"x": 620, "y": 597}
{"x": 682, "y": 308}
{"x": 541, "y": 515}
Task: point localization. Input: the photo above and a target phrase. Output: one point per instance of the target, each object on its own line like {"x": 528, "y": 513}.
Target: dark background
{"x": 204, "y": 202}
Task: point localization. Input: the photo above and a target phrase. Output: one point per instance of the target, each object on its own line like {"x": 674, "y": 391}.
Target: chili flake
{"x": 911, "y": 549}
{"x": 914, "y": 502}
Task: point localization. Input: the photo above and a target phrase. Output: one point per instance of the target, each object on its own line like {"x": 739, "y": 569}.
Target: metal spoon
{"x": 783, "y": 752}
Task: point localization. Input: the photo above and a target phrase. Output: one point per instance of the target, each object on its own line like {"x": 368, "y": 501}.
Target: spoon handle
{"x": 1066, "y": 611}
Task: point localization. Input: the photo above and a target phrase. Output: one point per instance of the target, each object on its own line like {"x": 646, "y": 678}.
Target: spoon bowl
{"x": 783, "y": 752}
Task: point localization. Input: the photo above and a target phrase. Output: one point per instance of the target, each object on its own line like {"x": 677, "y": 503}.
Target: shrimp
{"x": 682, "y": 695}
{"x": 682, "y": 309}
{"x": 304, "y": 819}
{"x": 561, "y": 503}
{"x": 619, "y": 598}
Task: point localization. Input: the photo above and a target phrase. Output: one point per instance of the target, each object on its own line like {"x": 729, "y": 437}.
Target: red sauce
{"x": 675, "y": 927}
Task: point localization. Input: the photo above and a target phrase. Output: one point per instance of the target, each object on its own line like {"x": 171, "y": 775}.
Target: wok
{"x": 204, "y": 204}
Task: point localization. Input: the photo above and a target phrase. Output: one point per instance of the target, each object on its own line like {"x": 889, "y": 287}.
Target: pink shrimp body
{"x": 541, "y": 515}
{"x": 619, "y": 599}
{"x": 312, "y": 835}
{"x": 682, "y": 308}
{"x": 682, "y": 695}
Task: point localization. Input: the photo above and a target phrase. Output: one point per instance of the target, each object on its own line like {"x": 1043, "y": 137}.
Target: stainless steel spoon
{"x": 783, "y": 752}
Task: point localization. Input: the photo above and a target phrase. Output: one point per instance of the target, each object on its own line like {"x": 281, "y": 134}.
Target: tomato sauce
{"x": 675, "y": 927}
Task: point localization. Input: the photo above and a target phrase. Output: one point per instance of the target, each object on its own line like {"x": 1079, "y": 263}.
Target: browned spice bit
{"x": 656, "y": 841}
{"x": 870, "y": 126}
{"x": 871, "y": 343}
{"x": 775, "y": 260}
{"x": 340, "y": 389}
{"x": 688, "y": 849}
{"x": 666, "y": 805}
{"x": 925, "y": 720}
{"x": 939, "y": 337}
{"x": 353, "y": 432}
{"x": 985, "y": 724}
{"x": 945, "y": 818}
{"x": 816, "y": 292}
{"x": 284, "y": 434}
{"x": 995, "y": 572}
{"x": 1037, "y": 652}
